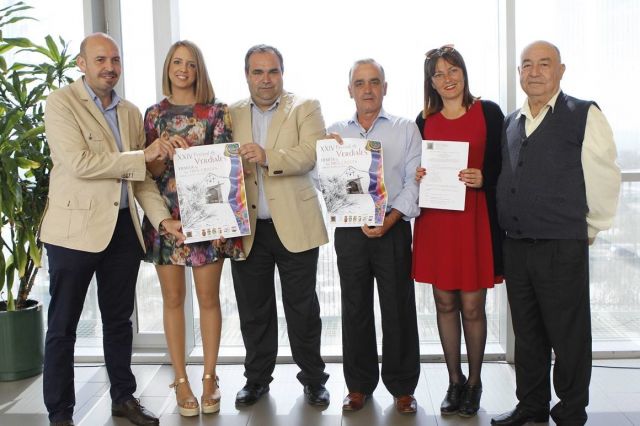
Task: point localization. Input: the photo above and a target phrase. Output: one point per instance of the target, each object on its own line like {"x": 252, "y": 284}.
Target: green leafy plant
{"x": 25, "y": 161}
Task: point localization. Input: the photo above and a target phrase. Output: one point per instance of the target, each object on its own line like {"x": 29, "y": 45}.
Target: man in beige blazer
{"x": 91, "y": 224}
{"x": 278, "y": 133}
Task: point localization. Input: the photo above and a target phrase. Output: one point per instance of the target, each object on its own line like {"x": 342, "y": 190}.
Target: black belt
{"x": 269, "y": 221}
{"x": 529, "y": 240}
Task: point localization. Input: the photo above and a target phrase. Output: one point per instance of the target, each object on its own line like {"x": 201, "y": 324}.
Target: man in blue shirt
{"x": 380, "y": 252}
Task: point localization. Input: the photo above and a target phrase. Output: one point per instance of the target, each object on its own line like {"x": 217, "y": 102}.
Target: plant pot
{"x": 21, "y": 342}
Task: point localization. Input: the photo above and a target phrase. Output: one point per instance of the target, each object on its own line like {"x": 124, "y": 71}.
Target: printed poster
{"x": 351, "y": 178}
{"x": 211, "y": 193}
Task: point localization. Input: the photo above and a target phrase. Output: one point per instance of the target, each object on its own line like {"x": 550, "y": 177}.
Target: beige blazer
{"x": 291, "y": 153}
{"x": 88, "y": 169}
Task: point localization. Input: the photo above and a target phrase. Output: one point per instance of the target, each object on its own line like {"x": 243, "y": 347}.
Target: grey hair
{"x": 363, "y": 62}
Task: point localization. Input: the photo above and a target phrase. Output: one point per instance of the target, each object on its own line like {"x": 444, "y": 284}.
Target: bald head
{"x": 542, "y": 44}
{"x": 91, "y": 39}
{"x": 540, "y": 73}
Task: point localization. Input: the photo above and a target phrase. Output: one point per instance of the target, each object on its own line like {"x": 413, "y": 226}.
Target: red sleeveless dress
{"x": 452, "y": 249}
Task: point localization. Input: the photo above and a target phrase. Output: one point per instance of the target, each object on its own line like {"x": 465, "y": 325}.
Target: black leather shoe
{"x": 134, "y": 412}
{"x": 451, "y": 402}
{"x": 519, "y": 417}
{"x": 251, "y": 393}
{"x": 62, "y": 423}
{"x": 470, "y": 400}
{"x": 316, "y": 395}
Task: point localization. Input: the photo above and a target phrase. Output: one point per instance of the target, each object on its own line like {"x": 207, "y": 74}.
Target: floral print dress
{"x": 198, "y": 124}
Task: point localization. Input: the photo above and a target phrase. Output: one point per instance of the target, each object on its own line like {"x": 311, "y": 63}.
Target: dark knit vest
{"x": 541, "y": 190}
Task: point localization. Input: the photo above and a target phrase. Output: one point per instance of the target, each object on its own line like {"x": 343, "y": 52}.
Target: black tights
{"x": 451, "y": 306}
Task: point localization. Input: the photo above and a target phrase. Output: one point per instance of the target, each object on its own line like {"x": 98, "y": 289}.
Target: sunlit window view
{"x": 599, "y": 41}
{"x": 317, "y": 62}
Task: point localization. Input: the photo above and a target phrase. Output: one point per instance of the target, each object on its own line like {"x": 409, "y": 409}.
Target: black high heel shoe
{"x": 470, "y": 400}
{"x": 452, "y": 400}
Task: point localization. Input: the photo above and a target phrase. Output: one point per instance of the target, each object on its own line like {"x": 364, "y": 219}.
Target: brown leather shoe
{"x": 406, "y": 404}
{"x": 354, "y": 401}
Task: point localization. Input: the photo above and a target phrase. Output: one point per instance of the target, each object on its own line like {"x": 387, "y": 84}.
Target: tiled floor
{"x": 615, "y": 398}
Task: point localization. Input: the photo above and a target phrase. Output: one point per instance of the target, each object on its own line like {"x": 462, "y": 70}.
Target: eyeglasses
{"x": 452, "y": 73}
{"x": 436, "y": 53}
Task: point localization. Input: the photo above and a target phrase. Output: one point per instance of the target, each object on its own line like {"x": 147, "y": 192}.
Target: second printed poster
{"x": 352, "y": 181}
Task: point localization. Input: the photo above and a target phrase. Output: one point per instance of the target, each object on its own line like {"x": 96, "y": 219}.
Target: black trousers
{"x": 70, "y": 272}
{"x": 548, "y": 289}
{"x": 253, "y": 280}
{"x": 388, "y": 260}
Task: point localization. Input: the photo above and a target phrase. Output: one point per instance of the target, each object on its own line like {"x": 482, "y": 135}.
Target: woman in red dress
{"x": 458, "y": 252}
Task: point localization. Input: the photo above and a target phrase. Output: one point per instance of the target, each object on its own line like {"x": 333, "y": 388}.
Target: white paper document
{"x": 352, "y": 181}
{"x": 441, "y": 188}
{"x": 210, "y": 185}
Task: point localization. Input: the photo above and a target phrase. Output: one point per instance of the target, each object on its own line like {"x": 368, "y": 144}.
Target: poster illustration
{"x": 352, "y": 181}
{"x": 211, "y": 193}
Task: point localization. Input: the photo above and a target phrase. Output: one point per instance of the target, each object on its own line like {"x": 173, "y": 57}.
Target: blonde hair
{"x": 203, "y": 89}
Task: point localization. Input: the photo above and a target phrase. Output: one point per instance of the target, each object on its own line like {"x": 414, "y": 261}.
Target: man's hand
{"x": 335, "y": 136}
{"x": 420, "y": 173}
{"x": 173, "y": 227}
{"x": 471, "y": 177}
{"x": 164, "y": 147}
{"x": 253, "y": 153}
{"x": 378, "y": 231}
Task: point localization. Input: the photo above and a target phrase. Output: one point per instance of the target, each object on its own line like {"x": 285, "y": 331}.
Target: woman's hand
{"x": 173, "y": 227}
{"x": 471, "y": 177}
{"x": 219, "y": 243}
{"x": 420, "y": 173}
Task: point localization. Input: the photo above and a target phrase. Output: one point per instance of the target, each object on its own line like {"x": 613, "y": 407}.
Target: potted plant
{"x": 24, "y": 178}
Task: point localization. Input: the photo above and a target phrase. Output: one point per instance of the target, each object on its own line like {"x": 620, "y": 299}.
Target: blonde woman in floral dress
{"x": 190, "y": 112}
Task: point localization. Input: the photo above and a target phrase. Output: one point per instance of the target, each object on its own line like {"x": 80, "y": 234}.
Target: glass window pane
{"x": 138, "y": 66}
{"x": 319, "y": 52}
{"x": 614, "y": 276}
{"x": 599, "y": 41}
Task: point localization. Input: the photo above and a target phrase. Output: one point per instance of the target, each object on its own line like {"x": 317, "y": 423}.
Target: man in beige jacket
{"x": 91, "y": 224}
{"x": 278, "y": 132}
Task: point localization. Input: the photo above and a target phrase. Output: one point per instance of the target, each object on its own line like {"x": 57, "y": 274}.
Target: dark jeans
{"x": 70, "y": 271}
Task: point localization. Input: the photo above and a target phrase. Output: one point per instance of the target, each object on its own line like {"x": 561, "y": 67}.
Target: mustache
{"x": 108, "y": 74}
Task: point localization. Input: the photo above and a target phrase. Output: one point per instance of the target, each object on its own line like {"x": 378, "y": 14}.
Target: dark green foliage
{"x": 24, "y": 154}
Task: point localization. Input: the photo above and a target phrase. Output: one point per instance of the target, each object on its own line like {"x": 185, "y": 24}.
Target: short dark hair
{"x": 432, "y": 100}
{"x": 262, "y": 48}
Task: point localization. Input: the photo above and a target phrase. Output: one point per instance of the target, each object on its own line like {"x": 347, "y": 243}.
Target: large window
{"x": 320, "y": 42}
{"x": 599, "y": 41}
